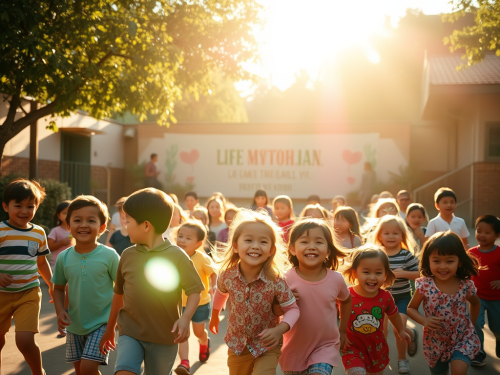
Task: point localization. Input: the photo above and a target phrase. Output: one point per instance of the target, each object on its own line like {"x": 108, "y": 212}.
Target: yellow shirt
{"x": 205, "y": 267}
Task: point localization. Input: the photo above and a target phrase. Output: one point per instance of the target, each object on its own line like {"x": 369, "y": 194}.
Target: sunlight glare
{"x": 162, "y": 274}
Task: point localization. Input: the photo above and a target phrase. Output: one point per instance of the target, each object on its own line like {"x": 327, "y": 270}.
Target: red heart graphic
{"x": 351, "y": 180}
{"x": 189, "y": 157}
{"x": 351, "y": 157}
{"x": 190, "y": 179}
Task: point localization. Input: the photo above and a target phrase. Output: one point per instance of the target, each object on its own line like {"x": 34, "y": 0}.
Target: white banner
{"x": 293, "y": 164}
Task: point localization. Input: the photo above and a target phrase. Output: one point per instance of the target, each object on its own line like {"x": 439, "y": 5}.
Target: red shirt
{"x": 365, "y": 331}
{"x": 286, "y": 225}
{"x": 491, "y": 260}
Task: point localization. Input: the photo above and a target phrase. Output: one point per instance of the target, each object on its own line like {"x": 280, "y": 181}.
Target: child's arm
{"x": 219, "y": 301}
{"x": 475, "y": 307}
{"x": 465, "y": 241}
{"x": 431, "y": 322}
{"x": 53, "y": 245}
{"x": 46, "y": 273}
{"x": 108, "y": 339}
{"x": 271, "y": 337}
{"x": 213, "y": 284}
{"x": 345, "y": 313}
{"x": 400, "y": 328}
{"x": 410, "y": 275}
{"x": 5, "y": 280}
{"x": 182, "y": 324}
{"x": 63, "y": 318}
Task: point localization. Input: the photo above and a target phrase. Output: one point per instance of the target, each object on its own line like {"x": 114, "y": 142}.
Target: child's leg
{"x": 184, "y": 350}
{"x": 26, "y": 344}
{"x": 400, "y": 344}
{"x": 240, "y": 364}
{"x": 459, "y": 367}
{"x": 158, "y": 358}
{"x": 493, "y": 309}
{"x": 88, "y": 367}
{"x": 130, "y": 355}
{"x": 2, "y": 344}
{"x": 200, "y": 332}
{"x": 355, "y": 371}
{"x": 267, "y": 362}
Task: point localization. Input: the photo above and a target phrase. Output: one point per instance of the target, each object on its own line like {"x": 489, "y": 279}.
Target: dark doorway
{"x": 75, "y": 162}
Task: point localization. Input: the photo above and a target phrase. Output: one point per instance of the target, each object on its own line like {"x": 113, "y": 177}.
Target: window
{"x": 493, "y": 141}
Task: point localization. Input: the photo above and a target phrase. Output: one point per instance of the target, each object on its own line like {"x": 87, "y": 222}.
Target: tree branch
{"x": 22, "y": 108}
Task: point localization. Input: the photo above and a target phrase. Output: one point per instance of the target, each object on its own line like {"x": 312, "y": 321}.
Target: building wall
{"x": 47, "y": 169}
{"x": 486, "y": 182}
{"x": 100, "y": 184}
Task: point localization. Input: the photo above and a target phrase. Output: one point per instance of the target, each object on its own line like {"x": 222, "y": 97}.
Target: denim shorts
{"x": 442, "y": 367}
{"x": 402, "y": 302}
{"x": 317, "y": 368}
{"x": 202, "y": 314}
{"x": 80, "y": 347}
{"x": 158, "y": 359}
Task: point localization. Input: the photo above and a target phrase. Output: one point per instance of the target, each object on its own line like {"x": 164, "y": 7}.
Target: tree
{"x": 478, "y": 39}
{"x": 109, "y": 56}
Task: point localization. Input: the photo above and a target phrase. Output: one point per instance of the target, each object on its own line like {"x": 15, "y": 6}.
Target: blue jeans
{"x": 493, "y": 309}
{"x": 441, "y": 368}
{"x": 158, "y": 359}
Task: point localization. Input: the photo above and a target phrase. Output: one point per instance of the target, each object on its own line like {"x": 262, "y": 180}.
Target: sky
{"x": 297, "y": 38}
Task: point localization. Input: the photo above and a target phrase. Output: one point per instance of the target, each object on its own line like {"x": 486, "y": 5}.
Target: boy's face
{"x": 446, "y": 205}
{"x": 190, "y": 202}
{"x": 136, "y": 232}
{"x": 85, "y": 225}
{"x": 187, "y": 240}
{"x": 404, "y": 201}
{"x": 20, "y": 213}
{"x": 485, "y": 235}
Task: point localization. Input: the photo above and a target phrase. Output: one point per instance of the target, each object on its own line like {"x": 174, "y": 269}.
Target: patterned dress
{"x": 457, "y": 333}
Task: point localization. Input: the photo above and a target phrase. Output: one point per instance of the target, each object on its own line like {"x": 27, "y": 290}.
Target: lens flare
{"x": 162, "y": 274}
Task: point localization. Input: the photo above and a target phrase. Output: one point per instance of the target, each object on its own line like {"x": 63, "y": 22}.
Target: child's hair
{"x": 313, "y": 198}
{"x": 230, "y": 208}
{"x": 21, "y": 189}
{"x": 365, "y": 252}
{"x": 351, "y": 216}
{"x": 386, "y": 194}
{"x": 448, "y": 243}
{"x": 491, "y": 220}
{"x": 317, "y": 206}
{"x": 417, "y": 206}
{"x": 225, "y": 256}
{"x": 260, "y": 193}
{"x": 374, "y": 210}
{"x": 201, "y": 230}
{"x": 60, "y": 208}
{"x": 182, "y": 214}
{"x": 191, "y": 194}
{"x": 286, "y": 200}
{"x": 151, "y": 205}
{"x": 302, "y": 226}
{"x": 444, "y": 192}
{"x": 203, "y": 210}
{"x": 221, "y": 204}
{"x": 174, "y": 198}
{"x": 221, "y": 196}
{"x": 88, "y": 201}
{"x": 339, "y": 197}
{"x": 407, "y": 242}
{"x": 119, "y": 203}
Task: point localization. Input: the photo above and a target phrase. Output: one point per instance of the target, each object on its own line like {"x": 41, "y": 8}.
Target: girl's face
{"x": 176, "y": 219}
{"x": 62, "y": 216}
{"x": 415, "y": 219}
{"x": 371, "y": 275}
{"x": 314, "y": 213}
{"x": 187, "y": 240}
{"x": 254, "y": 245}
{"x": 311, "y": 249}
{"x": 391, "y": 236}
{"x": 123, "y": 219}
{"x": 199, "y": 215}
{"x": 443, "y": 267}
{"x": 214, "y": 209}
{"x": 229, "y": 217}
{"x": 282, "y": 211}
{"x": 261, "y": 201}
{"x": 191, "y": 202}
{"x": 341, "y": 224}
{"x": 387, "y": 209}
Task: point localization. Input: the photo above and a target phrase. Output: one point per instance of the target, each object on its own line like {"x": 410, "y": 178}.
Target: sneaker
{"x": 413, "y": 345}
{"x": 403, "y": 366}
{"x": 182, "y": 370}
{"x": 478, "y": 360}
{"x": 497, "y": 350}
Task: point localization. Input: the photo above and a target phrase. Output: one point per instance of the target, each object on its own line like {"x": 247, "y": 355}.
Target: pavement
{"x": 53, "y": 352}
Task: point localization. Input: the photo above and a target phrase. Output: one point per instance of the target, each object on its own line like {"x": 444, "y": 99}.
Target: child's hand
{"x": 495, "y": 284}
{"x": 213, "y": 326}
{"x": 270, "y": 338}
{"x": 182, "y": 326}
{"x": 399, "y": 272}
{"x": 63, "y": 320}
{"x": 66, "y": 241}
{"x": 433, "y": 322}
{"x": 51, "y": 293}
{"x": 344, "y": 341}
{"x": 5, "y": 280}
{"x": 277, "y": 310}
{"x": 107, "y": 341}
{"x": 403, "y": 336}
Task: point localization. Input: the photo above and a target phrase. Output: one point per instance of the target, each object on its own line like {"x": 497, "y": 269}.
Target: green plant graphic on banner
{"x": 371, "y": 155}
{"x": 171, "y": 163}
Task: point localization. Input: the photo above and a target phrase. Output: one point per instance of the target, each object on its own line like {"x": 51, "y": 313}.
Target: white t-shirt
{"x": 115, "y": 220}
{"x": 217, "y": 229}
{"x": 438, "y": 224}
{"x": 402, "y": 214}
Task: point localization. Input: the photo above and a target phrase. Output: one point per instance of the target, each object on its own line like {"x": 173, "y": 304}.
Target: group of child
{"x": 304, "y": 293}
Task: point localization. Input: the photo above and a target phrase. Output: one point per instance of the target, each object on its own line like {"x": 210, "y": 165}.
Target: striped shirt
{"x": 19, "y": 251}
{"x": 405, "y": 260}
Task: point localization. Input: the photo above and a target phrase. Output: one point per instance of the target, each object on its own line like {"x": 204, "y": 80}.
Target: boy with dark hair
{"x": 446, "y": 203}
{"x": 23, "y": 251}
{"x": 488, "y": 281}
{"x": 191, "y": 201}
{"x": 313, "y": 199}
{"x": 89, "y": 269}
{"x": 149, "y": 283}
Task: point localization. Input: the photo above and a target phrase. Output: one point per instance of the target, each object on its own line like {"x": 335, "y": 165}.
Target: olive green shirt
{"x": 151, "y": 283}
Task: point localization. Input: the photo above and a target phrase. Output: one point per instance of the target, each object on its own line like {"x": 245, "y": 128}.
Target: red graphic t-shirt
{"x": 365, "y": 331}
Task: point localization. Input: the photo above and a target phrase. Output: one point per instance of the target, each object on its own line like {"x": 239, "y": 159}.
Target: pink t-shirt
{"x": 315, "y": 336}
{"x": 57, "y": 234}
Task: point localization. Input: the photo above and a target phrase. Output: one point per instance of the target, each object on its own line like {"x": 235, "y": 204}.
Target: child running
{"x": 393, "y": 234}
{"x": 312, "y": 345}
{"x": 445, "y": 289}
{"x": 366, "y": 351}
{"x": 190, "y": 238}
{"x": 251, "y": 276}
{"x": 347, "y": 228}
{"x": 488, "y": 281}
{"x": 283, "y": 210}
{"x": 59, "y": 238}
{"x": 416, "y": 217}
{"x": 89, "y": 269}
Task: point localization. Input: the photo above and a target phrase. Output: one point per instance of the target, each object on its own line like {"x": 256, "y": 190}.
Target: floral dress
{"x": 457, "y": 333}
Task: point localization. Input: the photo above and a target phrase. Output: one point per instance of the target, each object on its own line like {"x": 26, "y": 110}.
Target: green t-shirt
{"x": 90, "y": 286}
